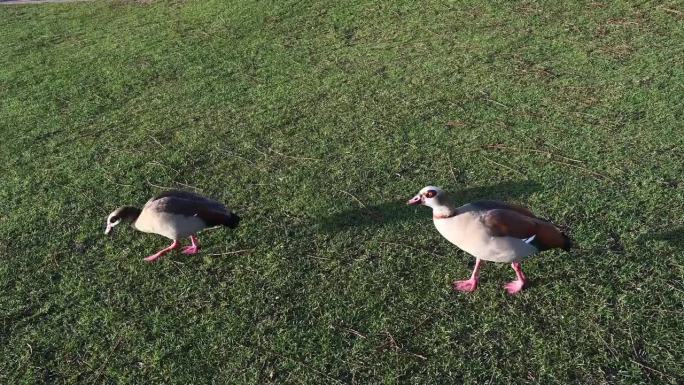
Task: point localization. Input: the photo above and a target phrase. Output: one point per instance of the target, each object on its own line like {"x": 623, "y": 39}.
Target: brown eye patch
{"x": 430, "y": 193}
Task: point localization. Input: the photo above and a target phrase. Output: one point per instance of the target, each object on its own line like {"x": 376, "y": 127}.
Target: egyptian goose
{"x": 175, "y": 214}
{"x": 491, "y": 231}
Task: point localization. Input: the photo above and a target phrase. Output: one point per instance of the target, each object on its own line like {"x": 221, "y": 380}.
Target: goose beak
{"x": 108, "y": 229}
{"x": 416, "y": 200}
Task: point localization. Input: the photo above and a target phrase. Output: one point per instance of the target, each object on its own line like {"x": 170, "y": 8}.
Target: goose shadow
{"x": 389, "y": 213}
{"x": 674, "y": 236}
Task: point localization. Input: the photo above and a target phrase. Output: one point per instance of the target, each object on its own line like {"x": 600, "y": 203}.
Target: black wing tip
{"x": 538, "y": 245}
{"x": 232, "y": 220}
{"x": 568, "y": 243}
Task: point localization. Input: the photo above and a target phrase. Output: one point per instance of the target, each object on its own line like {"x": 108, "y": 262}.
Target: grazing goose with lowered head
{"x": 491, "y": 231}
{"x": 175, "y": 214}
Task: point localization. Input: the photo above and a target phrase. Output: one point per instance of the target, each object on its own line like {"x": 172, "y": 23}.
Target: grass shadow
{"x": 395, "y": 212}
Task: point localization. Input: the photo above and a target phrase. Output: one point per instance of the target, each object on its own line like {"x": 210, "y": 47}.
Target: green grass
{"x": 316, "y": 121}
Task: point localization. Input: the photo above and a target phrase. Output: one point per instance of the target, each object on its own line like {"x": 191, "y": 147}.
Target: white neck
{"x": 443, "y": 211}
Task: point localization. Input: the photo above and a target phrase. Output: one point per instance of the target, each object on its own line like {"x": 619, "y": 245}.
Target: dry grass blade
{"x": 296, "y": 361}
{"x": 102, "y": 367}
{"x": 489, "y": 99}
{"x": 190, "y": 186}
{"x": 451, "y": 169}
{"x": 553, "y": 157}
{"x": 504, "y": 166}
{"x": 591, "y": 172}
{"x": 272, "y": 151}
{"x": 231, "y": 252}
{"x": 356, "y": 333}
{"x": 292, "y": 157}
{"x": 104, "y": 174}
{"x": 173, "y": 188}
{"x": 402, "y": 245}
{"x": 392, "y": 344}
{"x": 498, "y": 146}
{"x": 355, "y": 198}
{"x": 653, "y": 370}
{"x": 670, "y": 10}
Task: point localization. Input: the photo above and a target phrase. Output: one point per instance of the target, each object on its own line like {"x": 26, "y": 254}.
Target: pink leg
{"x": 520, "y": 283}
{"x": 156, "y": 256}
{"x": 194, "y": 248}
{"x": 470, "y": 284}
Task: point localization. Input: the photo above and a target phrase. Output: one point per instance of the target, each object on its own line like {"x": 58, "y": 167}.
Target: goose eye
{"x": 430, "y": 193}
{"x": 113, "y": 219}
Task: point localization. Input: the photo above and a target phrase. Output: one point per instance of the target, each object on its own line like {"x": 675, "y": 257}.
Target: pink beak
{"x": 416, "y": 200}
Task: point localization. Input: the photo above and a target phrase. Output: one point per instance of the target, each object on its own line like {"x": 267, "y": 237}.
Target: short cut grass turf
{"x": 316, "y": 120}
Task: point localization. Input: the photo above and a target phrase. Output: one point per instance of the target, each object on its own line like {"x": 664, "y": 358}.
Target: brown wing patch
{"x": 493, "y": 205}
{"x": 191, "y": 197}
{"x": 508, "y": 223}
{"x": 173, "y": 205}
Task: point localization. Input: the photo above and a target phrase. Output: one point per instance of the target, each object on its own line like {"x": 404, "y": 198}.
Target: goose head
{"x": 122, "y": 214}
{"x": 435, "y": 198}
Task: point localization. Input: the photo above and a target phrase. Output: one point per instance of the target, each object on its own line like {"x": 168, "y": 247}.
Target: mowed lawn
{"x": 315, "y": 121}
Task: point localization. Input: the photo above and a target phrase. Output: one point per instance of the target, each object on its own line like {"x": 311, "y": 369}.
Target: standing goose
{"x": 491, "y": 231}
{"x": 175, "y": 214}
